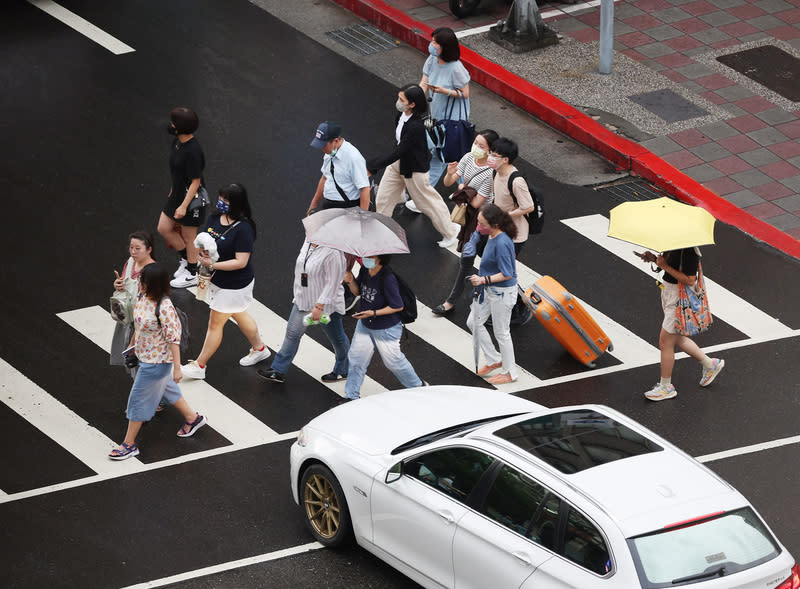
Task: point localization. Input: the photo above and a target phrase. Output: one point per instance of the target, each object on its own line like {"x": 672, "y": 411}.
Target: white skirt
{"x": 227, "y": 300}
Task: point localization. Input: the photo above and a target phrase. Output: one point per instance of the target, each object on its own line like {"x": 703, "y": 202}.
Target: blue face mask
{"x": 223, "y": 207}
{"x": 433, "y": 50}
{"x": 368, "y": 263}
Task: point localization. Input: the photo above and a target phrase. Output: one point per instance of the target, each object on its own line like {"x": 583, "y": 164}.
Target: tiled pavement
{"x": 750, "y": 156}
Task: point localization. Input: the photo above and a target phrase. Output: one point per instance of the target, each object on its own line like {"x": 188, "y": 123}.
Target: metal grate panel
{"x": 631, "y": 190}
{"x": 363, "y": 39}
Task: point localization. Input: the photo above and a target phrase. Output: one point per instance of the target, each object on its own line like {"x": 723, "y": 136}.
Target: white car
{"x": 466, "y": 487}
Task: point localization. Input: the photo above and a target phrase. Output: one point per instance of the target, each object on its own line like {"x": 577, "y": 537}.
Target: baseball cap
{"x": 325, "y": 132}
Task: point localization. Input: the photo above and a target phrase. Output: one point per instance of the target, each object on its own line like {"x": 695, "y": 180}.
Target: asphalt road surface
{"x": 84, "y": 163}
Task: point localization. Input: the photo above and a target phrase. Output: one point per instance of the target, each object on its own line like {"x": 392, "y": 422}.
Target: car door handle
{"x": 522, "y": 557}
{"x": 446, "y": 516}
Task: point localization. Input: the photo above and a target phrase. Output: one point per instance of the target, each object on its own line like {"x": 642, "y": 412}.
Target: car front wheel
{"x": 325, "y": 507}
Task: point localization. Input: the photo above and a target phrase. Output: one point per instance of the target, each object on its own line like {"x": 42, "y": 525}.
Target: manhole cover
{"x": 668, "y": 105}
{"x": 769, "y": 66}
{"x": 631, "y": 190}
{"x": 363, "y": 39}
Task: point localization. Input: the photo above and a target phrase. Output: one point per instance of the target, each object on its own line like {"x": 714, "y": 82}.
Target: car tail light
{"x": 793, "y": 582}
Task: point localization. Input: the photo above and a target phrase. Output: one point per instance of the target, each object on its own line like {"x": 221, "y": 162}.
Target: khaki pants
{"x": 428, "y": 201}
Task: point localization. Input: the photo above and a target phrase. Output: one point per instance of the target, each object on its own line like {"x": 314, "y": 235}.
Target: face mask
{"x": 493, "y": 162}
{"x": 484, "y": 230}
{"x": 368, "y": 263}
{"x": 223, "y": 207}
{"x": 171, "y": 130}
{"x": 400, "y": 106}
{"x": 477, "y": 152}
{"x": 433, "y": 50}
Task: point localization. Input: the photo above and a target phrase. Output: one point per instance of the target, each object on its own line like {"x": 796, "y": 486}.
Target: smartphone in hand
{"x": 646, "y": 256}
{"x": 128, "y": 351}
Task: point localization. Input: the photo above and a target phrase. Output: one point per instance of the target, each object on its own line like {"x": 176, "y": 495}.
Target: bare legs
{"x": 667, "y": 343}
{"x": 216, "y": 323}
{"x": 178, "y": 237}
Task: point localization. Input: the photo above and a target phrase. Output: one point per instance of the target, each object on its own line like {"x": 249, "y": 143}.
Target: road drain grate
{"x": 363, "y": 39}
{"x": 631, "y": 190}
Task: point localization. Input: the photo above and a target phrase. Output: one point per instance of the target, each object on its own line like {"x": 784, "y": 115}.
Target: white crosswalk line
{"x": 725, "y": 305}
{"x": 456, "y": 343}
{"x": 83, "y": 26}
{"x": 225, "y": 416}
{"x": 59, "y": 423}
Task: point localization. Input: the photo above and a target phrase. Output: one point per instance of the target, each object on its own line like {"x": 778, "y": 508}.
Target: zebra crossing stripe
{"x": 226, "y": 417}
{"x": 59, "y": 423}
{"x": 725, "y": 305}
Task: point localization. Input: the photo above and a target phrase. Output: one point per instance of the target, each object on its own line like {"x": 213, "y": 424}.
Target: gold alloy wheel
{"x": 322, "y": 506}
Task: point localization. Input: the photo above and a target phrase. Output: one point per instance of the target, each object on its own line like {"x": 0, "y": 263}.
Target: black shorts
{"x": 195, "y": 220}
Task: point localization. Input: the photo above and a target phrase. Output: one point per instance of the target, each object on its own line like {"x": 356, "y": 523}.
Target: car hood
{"x": 379, "y": 423}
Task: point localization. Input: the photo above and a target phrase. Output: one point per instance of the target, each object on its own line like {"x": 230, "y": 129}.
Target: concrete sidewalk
{"x": 696, "y": 124}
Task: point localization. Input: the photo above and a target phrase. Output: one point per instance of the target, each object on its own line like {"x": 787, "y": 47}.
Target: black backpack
{"x": 536, "y": 217}
{"x": 409, "y": 312}
{"x": 185, "y": 332}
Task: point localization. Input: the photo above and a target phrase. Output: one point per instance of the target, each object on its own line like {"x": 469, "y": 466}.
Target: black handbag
{"x": 459, "y": 133}
{"x": 199, "y": 202}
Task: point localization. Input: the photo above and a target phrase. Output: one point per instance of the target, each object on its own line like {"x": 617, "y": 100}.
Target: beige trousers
{"x": 428, "y": 201}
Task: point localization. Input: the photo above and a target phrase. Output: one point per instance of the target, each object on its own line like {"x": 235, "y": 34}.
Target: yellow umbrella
{"x": 661, "y": 224}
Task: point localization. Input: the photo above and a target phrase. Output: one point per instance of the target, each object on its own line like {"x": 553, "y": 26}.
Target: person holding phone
{"x": 157, "y": 345}
{"x": 379, "y": 327}
{"x": 140, "y": 250}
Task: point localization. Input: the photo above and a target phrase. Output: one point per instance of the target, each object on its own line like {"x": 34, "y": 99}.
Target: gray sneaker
{"x": 709, "y": 374}
{"x": 661, "y": 392}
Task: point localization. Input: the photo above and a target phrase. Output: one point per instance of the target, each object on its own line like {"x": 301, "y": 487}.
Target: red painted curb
{"x": 622, "y": 152}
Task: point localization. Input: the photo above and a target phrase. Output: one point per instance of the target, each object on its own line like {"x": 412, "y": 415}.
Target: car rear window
{"x": 696, "y": 551}
{"x": 575, "y": 440}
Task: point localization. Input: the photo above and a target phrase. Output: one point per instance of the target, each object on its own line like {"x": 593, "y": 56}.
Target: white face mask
{"x": 400, "y": 106}
{"x": 477, "y": 152}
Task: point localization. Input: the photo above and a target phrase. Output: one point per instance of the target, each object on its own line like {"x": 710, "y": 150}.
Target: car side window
{"x": 584, "y": 544}
{"x": 524, "y": 506}
{"x": 453, "y": 471}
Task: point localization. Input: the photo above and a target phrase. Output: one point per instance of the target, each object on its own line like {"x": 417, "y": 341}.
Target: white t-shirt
{"x": 402, "y": 121}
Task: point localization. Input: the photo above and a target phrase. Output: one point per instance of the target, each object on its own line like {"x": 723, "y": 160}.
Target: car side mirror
{"x": 394, "y": 473}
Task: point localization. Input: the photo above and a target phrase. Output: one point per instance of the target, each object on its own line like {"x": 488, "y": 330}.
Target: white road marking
{"x": 83, "y": 26}
{"x": 227, "y": 566}
{"x": 749, "y": 449}
{"x": 225, "y": 416}
{"x": 725, "y": 305}
{"x": 59, "y": 423}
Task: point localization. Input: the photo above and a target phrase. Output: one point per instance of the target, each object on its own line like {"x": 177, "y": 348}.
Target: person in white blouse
{"x": 318, "y": 290}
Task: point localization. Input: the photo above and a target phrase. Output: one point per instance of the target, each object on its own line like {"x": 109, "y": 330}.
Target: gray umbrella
{"x": 356, "y": 231}
{"x": 474, "y": 309}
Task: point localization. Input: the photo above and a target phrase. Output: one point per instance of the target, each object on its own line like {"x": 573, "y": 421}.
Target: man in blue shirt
{"x": 344, "y": 182}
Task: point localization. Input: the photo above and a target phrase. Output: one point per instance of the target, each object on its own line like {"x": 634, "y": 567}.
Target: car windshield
{"x": 575, "y": 440}
{"x": 696, "y": 551}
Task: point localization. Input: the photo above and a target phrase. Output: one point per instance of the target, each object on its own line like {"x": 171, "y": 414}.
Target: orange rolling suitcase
{"x": 566, "y": 320}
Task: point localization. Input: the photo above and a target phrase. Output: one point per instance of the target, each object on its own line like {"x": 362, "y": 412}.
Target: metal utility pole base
{"x": 523, "y": 30}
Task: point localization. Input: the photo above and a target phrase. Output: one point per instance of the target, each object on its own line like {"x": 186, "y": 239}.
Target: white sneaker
{"x": 184, "y": 280}
{"x": 193, "y": 370}
{"x": 412, "y": 206}
{"x": 446, "y": 243}
{"x": 710, "y": 374}
{"x": 254, "y": 357}
{"x": 661, "y": 392}
{"x": 181, "y": 268}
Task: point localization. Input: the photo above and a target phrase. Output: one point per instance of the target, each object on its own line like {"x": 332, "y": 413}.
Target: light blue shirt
{"x": 350, "y": 169}
{"x": 450, "y": 75}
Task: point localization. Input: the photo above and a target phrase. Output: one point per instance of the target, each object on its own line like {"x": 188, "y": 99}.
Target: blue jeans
{"x": 295, "y": 328}
{"x": 152, "y": 383}
{"x": 388, "y": 343}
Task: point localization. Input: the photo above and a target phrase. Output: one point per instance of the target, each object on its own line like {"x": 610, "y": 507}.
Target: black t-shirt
{"x": 186, "y": 162}
{"x": 376, "y": 293}
{"x": 229, "y": 241}
{"x": 684, "y": 260}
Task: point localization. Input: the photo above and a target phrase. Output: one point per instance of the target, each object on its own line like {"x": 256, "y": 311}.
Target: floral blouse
{"x": 152, "y": 341}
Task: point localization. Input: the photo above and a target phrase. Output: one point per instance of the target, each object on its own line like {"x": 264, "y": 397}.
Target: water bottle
{"x": 308, "y": 320}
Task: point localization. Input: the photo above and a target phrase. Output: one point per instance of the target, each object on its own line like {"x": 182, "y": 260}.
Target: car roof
{"x": 642, "y": 491}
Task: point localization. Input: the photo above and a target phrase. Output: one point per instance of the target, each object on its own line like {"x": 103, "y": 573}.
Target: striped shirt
{"x": 325, "y": 268}
{"x": 480, "y": 177}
